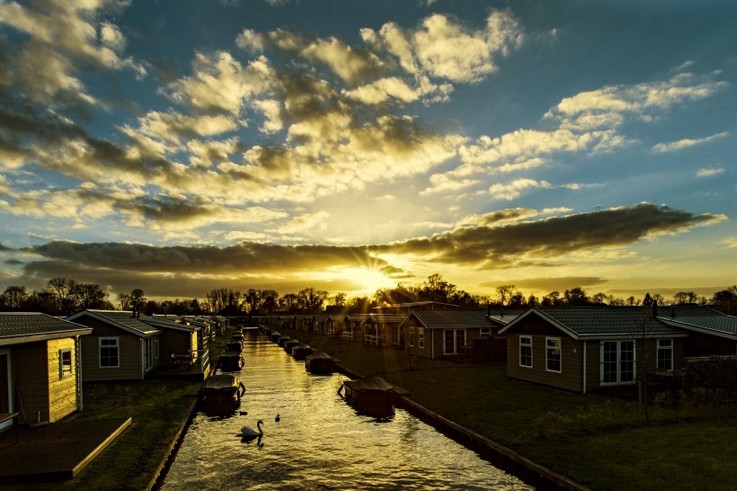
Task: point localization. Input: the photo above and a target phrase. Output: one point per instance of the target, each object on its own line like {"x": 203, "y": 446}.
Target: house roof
{"x": 26, "y": 327}
{"x": 168, "y": 323}
{"x": 700, "y": 319}
{"x": 121, "y": 319}
{"x": 357, "y": 317}
{"x": 600, "y": 321}
{"x": 387, "y": 318}
{"x": 459, "y": 319}
{"x": 504, "y": 315}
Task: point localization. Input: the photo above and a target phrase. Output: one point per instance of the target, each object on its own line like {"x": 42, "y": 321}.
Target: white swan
{"x": 248, "y": 432}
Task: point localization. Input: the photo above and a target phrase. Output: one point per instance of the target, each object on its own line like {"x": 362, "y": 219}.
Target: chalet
{"x": 40, "y": 375}
{"x": 121, "y": 346}
{"x": 381, "y": 329}
{"x": 324, "y": 324}
{"x": 583, "y": 348}
{"x": 444, "y": 333}
{"x": 354, "y": 326}
{"x": 178, "y": 342}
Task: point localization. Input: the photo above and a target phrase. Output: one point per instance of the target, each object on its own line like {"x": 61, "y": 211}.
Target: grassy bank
{"x": 599, "y": 441}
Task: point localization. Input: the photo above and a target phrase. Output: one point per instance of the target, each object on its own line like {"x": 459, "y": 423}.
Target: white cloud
{"x": 710, "y": 172}
{"x": 687, "y": 142}
{"x": 515, "y": 188}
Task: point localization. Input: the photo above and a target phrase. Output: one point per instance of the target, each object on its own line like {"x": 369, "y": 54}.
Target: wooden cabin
{"x": 382, "y": 329}
{"x": 179, "y": 343}
{"x": 39, "y": 367}
{"x": 584, "y": 348}
{"x": 121, "y": 346}
{"x": 444, "y": 333}
{"x": 354, "y": 325}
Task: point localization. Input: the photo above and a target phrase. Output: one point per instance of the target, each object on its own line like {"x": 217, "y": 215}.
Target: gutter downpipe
{"x": 78, "y": 357}
{"x": 584, "y": 367}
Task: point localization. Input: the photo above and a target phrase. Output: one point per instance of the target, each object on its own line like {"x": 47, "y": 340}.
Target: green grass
{"x": 602, "y": 442}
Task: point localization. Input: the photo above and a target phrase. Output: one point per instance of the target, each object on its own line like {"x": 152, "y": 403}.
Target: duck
{"x": 248, "y": 432}
{"x": 277, "y": 419}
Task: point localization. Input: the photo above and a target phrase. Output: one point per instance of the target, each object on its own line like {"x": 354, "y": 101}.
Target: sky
{"x": 178, "y": 146}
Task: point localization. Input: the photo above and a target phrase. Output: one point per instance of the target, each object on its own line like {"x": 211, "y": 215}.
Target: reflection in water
{"x": 318, "y": 441}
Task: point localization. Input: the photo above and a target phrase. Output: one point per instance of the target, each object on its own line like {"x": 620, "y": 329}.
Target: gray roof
{"x": 505, "y": 315}
{"x": 699, "y": 318}
{"x": 121, "y": 319}
{"x": 459, "y": 319}
{"x": 167, "y": 323}
{"x": 600, "y": 321}
{"x": 387, "y": 318}
{"x": 23, "y": 327}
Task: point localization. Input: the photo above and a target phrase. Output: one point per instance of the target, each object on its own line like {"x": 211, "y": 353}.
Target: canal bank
{"x": 500, "y": 456}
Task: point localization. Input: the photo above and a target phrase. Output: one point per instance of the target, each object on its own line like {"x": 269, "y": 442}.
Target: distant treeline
{"x": 64, "y": 296}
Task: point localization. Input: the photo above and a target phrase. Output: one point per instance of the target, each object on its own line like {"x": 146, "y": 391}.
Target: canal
{"x": 318, "y": 442}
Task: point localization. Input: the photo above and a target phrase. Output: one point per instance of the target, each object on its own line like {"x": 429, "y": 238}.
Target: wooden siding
{"x": 30, "y": 369}
{"x": 130, "y": 353}
{"x": 413, "y": 339}
{"x": 63, "y": 398}
{"x": 571, "y": 361}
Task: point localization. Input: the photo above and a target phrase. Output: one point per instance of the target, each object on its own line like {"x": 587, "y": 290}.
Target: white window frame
{"x": 661, "y": 348}
{"x": 65, "y": 370}
{"x": 421, "y": 337}
{"x": 550, "y": 351}
{"x": 618, "y": 362}
{"x": 411, "y": 336}
{"x": 485, "y": 332}
{"x": 528, "y": 345}
{"x": 99, "y": 350}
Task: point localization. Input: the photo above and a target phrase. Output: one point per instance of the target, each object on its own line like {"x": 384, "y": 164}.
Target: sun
{"x": 368, "y": 280}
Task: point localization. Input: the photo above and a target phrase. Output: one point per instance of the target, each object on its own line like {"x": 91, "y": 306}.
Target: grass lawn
{"x": 602, "y": 442}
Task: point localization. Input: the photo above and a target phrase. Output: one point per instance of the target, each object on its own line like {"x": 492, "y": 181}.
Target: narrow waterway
{"x": 319, "y": 441}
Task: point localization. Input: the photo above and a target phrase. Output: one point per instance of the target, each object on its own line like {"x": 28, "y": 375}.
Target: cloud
{"x": 532, "y": 242}
{"x": 609, "y": 105}
{"x": 495, "y": 241}
{"x": 62, "y": 35}
{"x": 515, "y": 188}
{"x": 687, "y": 142}
{"x": 710, "y": 172}
{"x": 443, "y": 48}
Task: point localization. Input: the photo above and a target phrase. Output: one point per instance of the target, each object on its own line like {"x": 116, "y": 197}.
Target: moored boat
{"x": 274, "y": 336}
{"x": 290, "y": 344}
{"x": 371, "y": 396}
{"x": 302, "y": 351}
{"x": 282, "y": 340}
{"x": 231, "y": 361}
{"x": 220, "y": 395}
{"x": 320, "y": 363}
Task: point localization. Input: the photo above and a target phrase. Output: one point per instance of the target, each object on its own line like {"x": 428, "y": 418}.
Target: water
{"x": 319, "y": 442}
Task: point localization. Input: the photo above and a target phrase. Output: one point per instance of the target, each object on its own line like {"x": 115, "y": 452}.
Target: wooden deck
{"x": 57, "y": 451}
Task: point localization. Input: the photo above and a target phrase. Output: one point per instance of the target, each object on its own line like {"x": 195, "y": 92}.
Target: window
{"x": 552, "y": 354}
{"x": 454, "y": 340}
{"x": 65, "y": 363}
{"x": 665, "y": 354}
{"x": 617, "y": 362}
{"x": 525, "y": 351}
{"x": 421, "y": 337}
{"x": 109, "y": 353}
{"x": 411, "y": 335}
{"x": 485, "y": 332}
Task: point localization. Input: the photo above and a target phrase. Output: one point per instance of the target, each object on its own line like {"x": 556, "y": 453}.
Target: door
{"x": 6, "y": 391}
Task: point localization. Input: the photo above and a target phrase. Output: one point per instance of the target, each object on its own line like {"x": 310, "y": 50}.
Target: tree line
{"x": 64, "y": 296}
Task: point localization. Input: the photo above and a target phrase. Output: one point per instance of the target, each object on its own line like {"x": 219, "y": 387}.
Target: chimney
{"x": 655, "y": 308}
{"x": 133, "y": 313}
